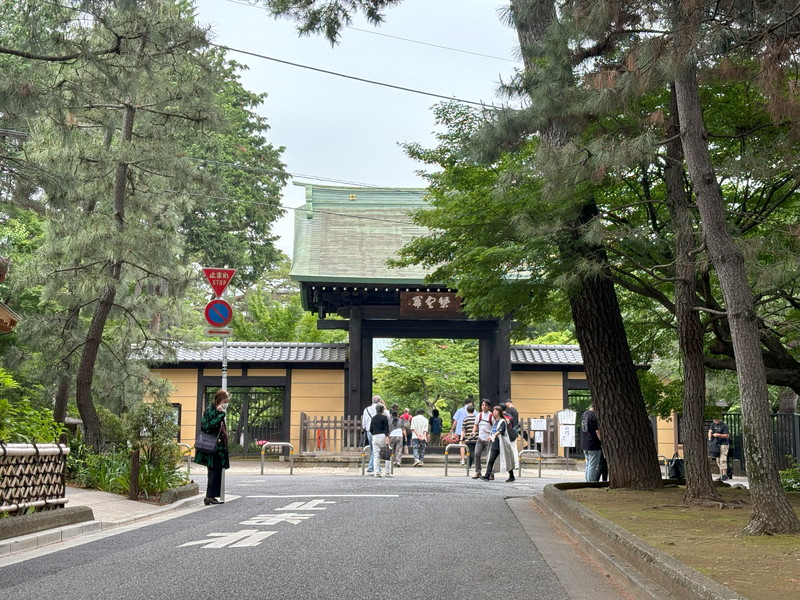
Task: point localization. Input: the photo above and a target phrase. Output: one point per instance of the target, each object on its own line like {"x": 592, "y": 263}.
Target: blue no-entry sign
{"x": 218, "y": 313}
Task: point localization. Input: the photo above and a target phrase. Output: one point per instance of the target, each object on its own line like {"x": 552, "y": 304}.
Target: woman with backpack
{"x": 501, "y": 446}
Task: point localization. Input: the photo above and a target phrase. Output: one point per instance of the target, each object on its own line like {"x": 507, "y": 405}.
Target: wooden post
{"x": 133, "y": 493}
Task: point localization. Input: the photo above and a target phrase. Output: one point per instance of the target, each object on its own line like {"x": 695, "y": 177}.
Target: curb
{"x": 643, "y": 570}
{"x": 35, "y": 540}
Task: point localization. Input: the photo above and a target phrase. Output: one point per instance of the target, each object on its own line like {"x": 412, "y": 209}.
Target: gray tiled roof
{"x": 306, "y": 352}
{"x": 265, "y": 352}
{"x": 546, "y": 355}
{"x": 347, "y": 234}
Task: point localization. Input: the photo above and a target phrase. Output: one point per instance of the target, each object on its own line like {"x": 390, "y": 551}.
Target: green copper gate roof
{"x": 346, "y": 234}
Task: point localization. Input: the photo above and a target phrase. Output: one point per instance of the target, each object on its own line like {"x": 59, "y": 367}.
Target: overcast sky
{"x": 347, "y": 131}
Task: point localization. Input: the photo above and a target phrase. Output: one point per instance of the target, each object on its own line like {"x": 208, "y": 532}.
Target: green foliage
{"x": 428, "y": 373}
{"x": 661, "y": 397}
{"x": 790, "y": 478}
{"x": 264, "y": 318}
{"x": 21, "y": 423}
{"x": 151, "y": 429}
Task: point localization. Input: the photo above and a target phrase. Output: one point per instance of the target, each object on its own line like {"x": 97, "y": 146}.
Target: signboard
{"x": 538, "y": 437}
{"x": 566, "y": 427}
{"x": 219, "y": 278}
{"x": 539, "y": 424}
{"x": 222, "y": 332}
{"x": 218, "y": 313}
{"x": 427, "y": 304}
{"x": 566, "y": 436}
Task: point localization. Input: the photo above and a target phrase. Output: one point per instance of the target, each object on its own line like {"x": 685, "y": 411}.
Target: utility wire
{"x": 396, "y": 37}
{"x": 354, "y": 78}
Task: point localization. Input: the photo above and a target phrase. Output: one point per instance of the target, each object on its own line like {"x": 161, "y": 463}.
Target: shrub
{"x": 21, "y": 423}
{"x": 790, "y": 478}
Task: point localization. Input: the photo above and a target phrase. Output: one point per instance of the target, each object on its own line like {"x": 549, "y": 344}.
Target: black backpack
{"x": 513, "y": 429}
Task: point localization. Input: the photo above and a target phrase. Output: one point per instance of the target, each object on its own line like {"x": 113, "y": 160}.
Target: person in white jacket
{"x": 501, "y": 446}
{"x": 366, "y": 421}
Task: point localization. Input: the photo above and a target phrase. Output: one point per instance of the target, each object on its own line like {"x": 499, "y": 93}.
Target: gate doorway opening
{"x": 255, "y": 415}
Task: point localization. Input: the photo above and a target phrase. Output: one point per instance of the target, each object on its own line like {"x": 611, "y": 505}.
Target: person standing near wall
{"x": 591, "y": 444}
{"x": 719, "y": 432}
{"x": 213, "y": 422}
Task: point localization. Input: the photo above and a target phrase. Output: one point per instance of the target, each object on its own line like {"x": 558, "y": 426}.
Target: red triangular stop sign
{"x": 218, "y": 278}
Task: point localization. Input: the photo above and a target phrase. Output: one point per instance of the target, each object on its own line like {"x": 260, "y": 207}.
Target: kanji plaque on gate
{"x": 429, "y": 304}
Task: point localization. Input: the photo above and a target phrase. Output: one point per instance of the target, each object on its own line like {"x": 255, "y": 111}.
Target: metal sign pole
{"x": 224, "y": 387}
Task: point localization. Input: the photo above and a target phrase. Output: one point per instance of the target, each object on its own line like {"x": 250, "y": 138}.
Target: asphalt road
{"x": 319, "y": 537}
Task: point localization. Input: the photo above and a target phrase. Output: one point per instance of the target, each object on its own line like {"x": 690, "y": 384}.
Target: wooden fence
{"x": 32, "y": 476}
{"x": 343, "y": 434}
{"x": 329, "y": 434}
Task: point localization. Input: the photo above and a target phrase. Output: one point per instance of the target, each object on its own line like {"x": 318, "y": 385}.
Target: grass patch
{"x": 764, "y": 567}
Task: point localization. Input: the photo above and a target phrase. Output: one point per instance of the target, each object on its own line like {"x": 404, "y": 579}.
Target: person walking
{"x": 419, "y": 437}
{"x": 213, "y": 422}
{"x": 396, "y": 435}
{"x": 501, "y": 446}
{"x": 591, "y": 443}
{"x": 366, "y": 420}
{"x": 379, "y": 428}
{"x": 719, "y": 432}
{"x": 470, "y": 435}
{"x": 435, "y": 428}
{"x": 458, "y": 423}
{"x": 406, "y": 416}
{"x": 483, "y": 445}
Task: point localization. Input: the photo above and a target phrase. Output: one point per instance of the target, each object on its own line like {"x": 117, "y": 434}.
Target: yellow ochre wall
{"x": 184, "y": 392}
{"x": 316, "y": 392}
{"x": 668, "y": 437}
{"x": 537, "y": 393}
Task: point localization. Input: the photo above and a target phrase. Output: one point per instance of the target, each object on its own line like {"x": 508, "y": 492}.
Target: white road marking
{"x": 244, "y": 538}
{"x": 328, "y": 496}
{"x": 310, "y": 505}
{"x": 289, "y": 517}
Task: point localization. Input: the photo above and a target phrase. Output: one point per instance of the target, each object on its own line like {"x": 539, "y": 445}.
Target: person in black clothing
{"x": 379, "y": 428}
{"x": 591, "y": 444}
{"x": 511, "y": 411}
{"x": 435, "y": 428}
{"x": 719, "y": 432}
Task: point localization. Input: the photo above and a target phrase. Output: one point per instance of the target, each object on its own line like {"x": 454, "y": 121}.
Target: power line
{"x": 347, "y": 182}
{"x": 397, "y": 37}
{"x": 354, "y": 78}
{"x": 409, "y": 40}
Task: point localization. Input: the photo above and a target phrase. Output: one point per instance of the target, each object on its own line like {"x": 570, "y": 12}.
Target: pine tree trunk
{"x": 625, "y": 427}
{"x": 772, "y": 512}
{"x": 65, "y": 371}
{"x": 94, "y": 335}
{"x": 610, "y": 372}
{"x": 699, "y": 485}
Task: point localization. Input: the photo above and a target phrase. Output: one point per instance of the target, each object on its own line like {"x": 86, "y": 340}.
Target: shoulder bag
{"x": 206, "y": 442}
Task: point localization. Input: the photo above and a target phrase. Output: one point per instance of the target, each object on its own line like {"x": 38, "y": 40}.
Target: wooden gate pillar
{"x": 354, "y": 393}
{"x": 494, "y": 355}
